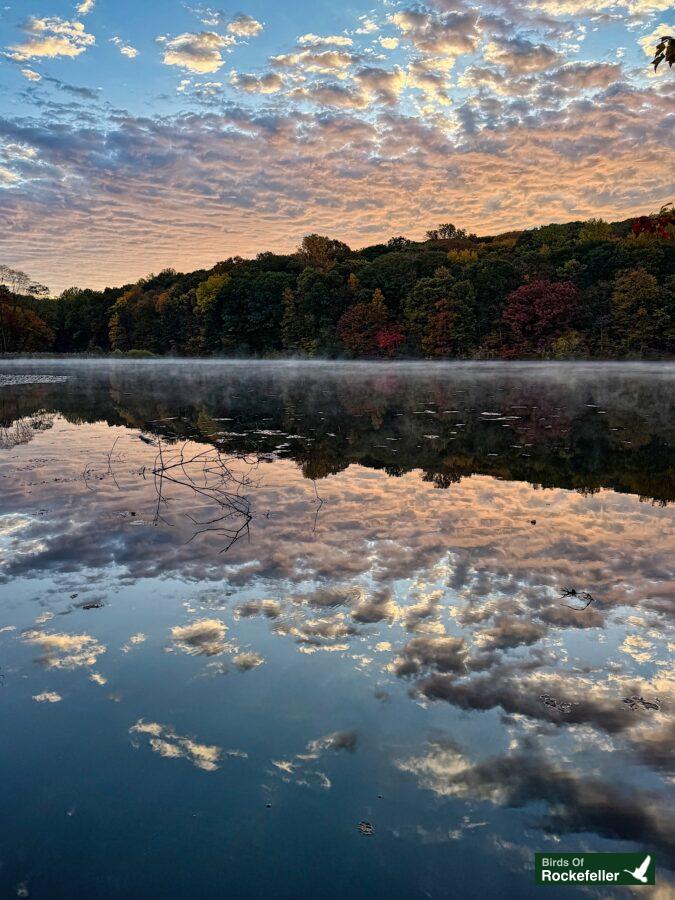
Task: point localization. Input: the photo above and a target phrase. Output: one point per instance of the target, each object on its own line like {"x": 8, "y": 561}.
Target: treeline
{"x": 579, "y": 290}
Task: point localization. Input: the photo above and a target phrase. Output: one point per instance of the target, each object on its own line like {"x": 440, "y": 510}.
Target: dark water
{"x": 245, "y": 608}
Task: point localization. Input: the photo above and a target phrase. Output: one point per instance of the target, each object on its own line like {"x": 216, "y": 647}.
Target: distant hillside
{"x": 577, "y": 290}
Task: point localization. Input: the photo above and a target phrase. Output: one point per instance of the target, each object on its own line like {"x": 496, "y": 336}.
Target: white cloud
{"x": 66, "y": 651}
{"x": 52, "y": 37}
{"x": 8, "y": 178}
{"x": 197, "y": 52}
{"x": 268, "y": 83}
{"x": 244, "y": 26}
{"x": 125, "y": 49}
{"x": 322, "y": 62}
{"x": 31, "y": 75}
{"x": 389, "y": 43}
{"x": 441, "y": 36}
{"x": 85, "y": 7}
{"x": 164, "y": 741}
{"x": 367, "y": 26}
{"x": 317, "y": 40}
{"x": 204, "y": 637}
{"x": 201, "y": 90}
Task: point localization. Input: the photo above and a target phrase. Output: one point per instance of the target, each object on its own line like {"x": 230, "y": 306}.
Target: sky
{"x": 140, "y": 136}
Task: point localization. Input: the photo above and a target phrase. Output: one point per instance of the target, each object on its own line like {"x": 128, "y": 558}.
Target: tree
{"x": 321, "y": 252}
{"x": 398, "y": 243}
{"x": 293, "y": 326}
{"x": 420, "y": 304}
{"x": 207, "y": 292}
{"x": 639, "y": 311}
{"x": 390, "y": 339}
{"x": 537, "y": 314}
{"x": 451, "y": 327}
{"x": 322, "y": 298}
{"x": 18, "y": 282}
{"x": 252, "y": 310}
{"x": 21, "y": 329}
{"x": 360, "y": 324}
{"x": 594, "y": 230}
{"x": 665, "y": 49}
{"x": 661, "y": 224}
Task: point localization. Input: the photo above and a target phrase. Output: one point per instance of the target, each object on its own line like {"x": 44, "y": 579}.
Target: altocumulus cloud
{"x": 200, "y": 52}
{"x": 244, "y": 26}
{"x": 51, "y": 37}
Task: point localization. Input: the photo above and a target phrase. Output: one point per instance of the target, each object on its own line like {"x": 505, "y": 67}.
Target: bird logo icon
{"x": 639, "y": 874}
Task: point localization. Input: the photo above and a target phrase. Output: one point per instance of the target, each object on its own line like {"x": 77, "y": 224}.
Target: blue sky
{"x": 135, "y": 136}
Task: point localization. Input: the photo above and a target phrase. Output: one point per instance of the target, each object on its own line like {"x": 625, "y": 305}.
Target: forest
{"x": 580, "y": 290}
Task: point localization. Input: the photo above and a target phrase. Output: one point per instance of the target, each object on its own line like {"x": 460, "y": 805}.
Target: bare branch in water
{"x": 583, "y": 596}
{"x": 110, "y": 468}
{"x": 320, "y": 503}
{"x": 210, "y": 476}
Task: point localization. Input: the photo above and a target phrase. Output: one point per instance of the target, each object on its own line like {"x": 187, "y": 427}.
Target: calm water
{"x": 246, "y": 607}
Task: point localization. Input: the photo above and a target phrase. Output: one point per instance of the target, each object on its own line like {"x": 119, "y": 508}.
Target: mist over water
{"x": 247, "y": 606}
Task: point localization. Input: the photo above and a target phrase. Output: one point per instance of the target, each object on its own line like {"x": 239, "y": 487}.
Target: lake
{"x": 284, "y": 630}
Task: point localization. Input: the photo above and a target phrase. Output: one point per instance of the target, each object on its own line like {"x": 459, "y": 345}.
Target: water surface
{"x": 245, "y": 608}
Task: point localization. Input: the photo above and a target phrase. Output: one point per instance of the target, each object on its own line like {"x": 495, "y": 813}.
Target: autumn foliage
{"x": 591, "y": 289}
{"x": 539, "y": 313}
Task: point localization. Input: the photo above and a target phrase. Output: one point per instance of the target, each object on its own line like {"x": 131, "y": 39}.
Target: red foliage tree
{"x": 538, "y": 313}
{"x": 389, "y": 339}
{"x": 662, "y": 224}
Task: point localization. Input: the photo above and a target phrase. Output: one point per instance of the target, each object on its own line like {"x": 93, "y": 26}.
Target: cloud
{"x": 332, "y": 95}
{"x": 520, "y": 56}
{"x": 329, "y": 40}
{"x": 584, "y": 76}
{"x": 333, "y": 170}
{"x": 648, "y": 42}
{"x": 367, "y": 26}
{"x": 509, "y": 632}
{"x": 442, "y": 36}
{"x": 31, "y": 75}
{"x": 50, "y": 38}
{"x": 574, "y": 803}
{"x": 124, "y": 48}
{"x": 324, "y": 62}
{"x": 244, "y": 26}
{"x": 84, "y": 93}
{"x": 271, "y": 609}
{"x": 247, "y": 661}
{"x": 164, "y": 741}
{"x": 381, "y": 85}
{"x": 389, "y": 43}
{"x": 65, "y": 651}
{"x": 433, "y": 84}
{"x": 47, "y": 697}
{"x": 267, "y": 83}
{"x": 85, "y": 7}
{"x": 203, "y": 91}
{"x": 197, "y": 52}
{"x": 442, "y": 654}
{"x": 301, "y": 768}
{"x": 205, "y": 637}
